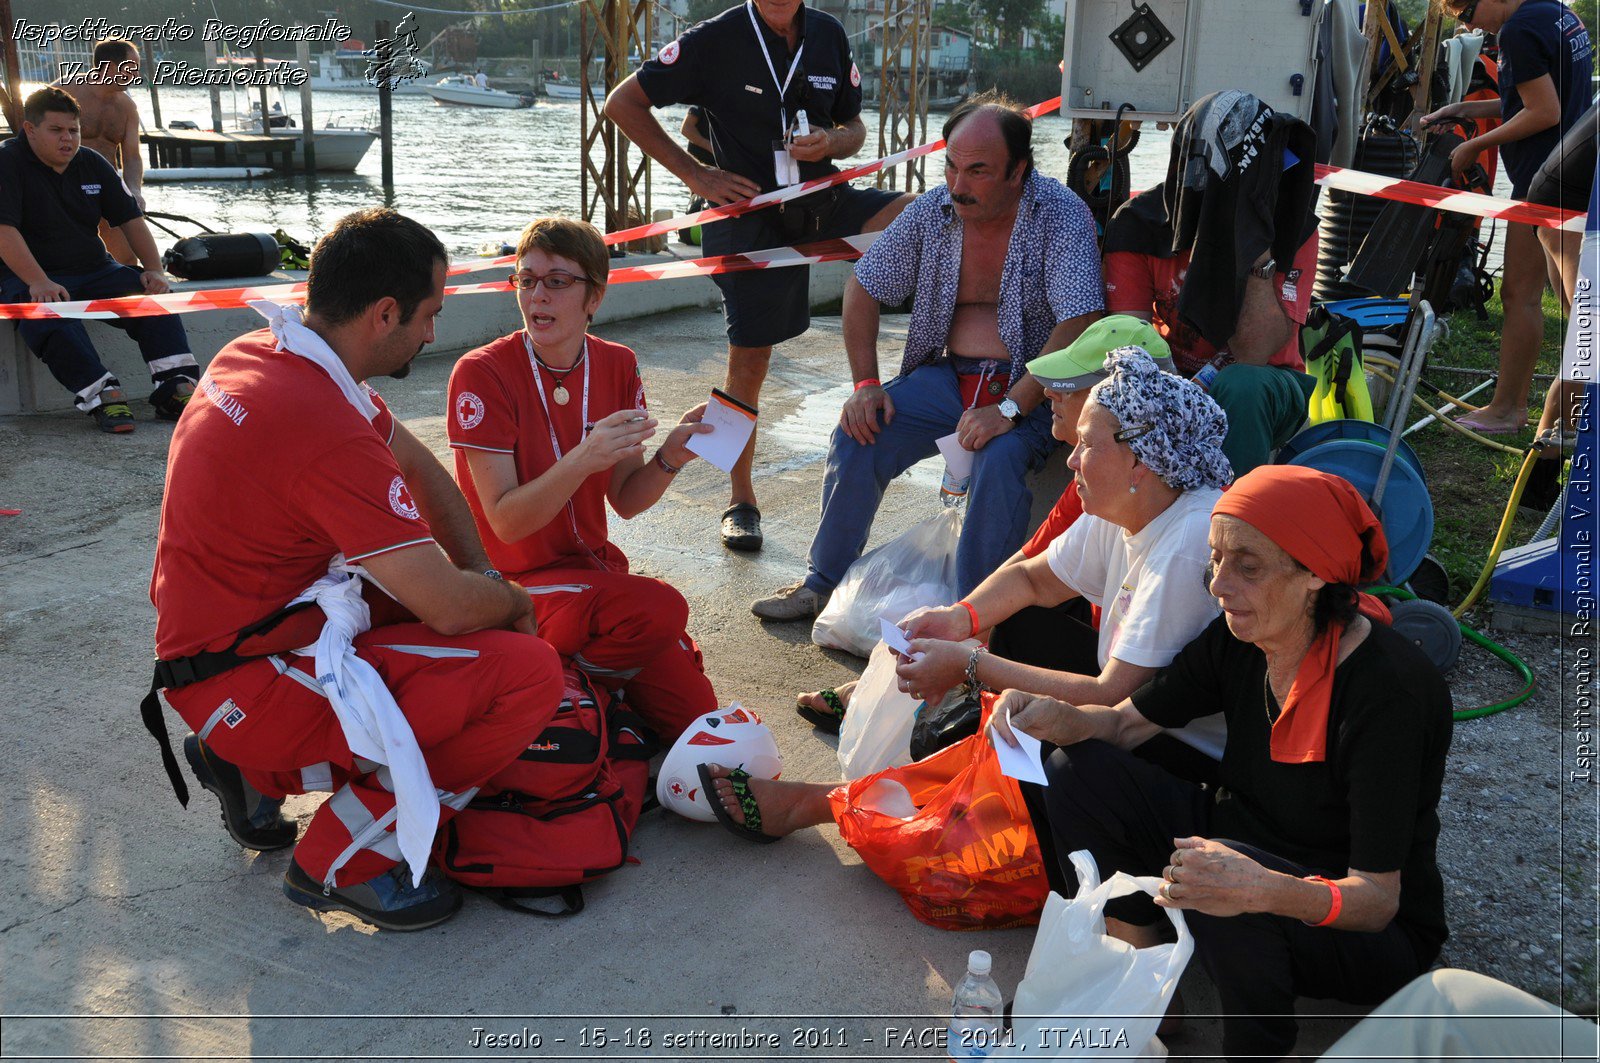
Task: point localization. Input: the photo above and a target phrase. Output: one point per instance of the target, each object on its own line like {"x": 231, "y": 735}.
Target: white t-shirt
{"x": 1150, "y": 588}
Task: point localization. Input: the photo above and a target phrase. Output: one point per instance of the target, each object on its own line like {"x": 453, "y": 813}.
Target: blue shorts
{"x": 768, "y": 306}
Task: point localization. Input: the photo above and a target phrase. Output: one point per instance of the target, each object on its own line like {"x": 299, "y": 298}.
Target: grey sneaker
{"x": 794, "y": 602}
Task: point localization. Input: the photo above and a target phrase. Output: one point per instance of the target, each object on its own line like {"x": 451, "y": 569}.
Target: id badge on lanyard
{"x": 784, "y": 166}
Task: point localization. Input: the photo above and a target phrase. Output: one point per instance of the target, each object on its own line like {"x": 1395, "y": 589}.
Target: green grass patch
{"x": 1468, "y": 482}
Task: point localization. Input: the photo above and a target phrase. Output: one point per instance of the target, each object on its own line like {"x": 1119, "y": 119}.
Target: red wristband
{"x": 870, "y": 382}
{"x": 972, "y": 613}
{"x": 1334, "y": 906}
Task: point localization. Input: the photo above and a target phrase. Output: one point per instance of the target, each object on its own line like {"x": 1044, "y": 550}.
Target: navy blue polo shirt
{"x": 59, "y": 214}
{"x": 1542, "y": 37}
{"x": 718, "y": 67}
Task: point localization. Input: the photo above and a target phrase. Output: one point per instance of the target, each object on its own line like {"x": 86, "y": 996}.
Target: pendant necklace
{"x": 559, "y": 393}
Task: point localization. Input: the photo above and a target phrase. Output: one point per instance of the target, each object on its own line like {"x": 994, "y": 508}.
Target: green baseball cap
{"x": 1081, "y": 364}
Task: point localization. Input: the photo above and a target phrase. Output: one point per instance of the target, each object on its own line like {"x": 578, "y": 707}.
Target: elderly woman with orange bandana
{"x": 1311, "y": 870}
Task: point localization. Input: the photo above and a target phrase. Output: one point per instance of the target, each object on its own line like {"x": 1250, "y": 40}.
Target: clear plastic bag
{"x": 1087, "y": 995}
{"x": 914, "y": 569}
{"x": 876, "y": 733}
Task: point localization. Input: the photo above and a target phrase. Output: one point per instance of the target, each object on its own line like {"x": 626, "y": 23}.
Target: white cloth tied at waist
{"x": 373, "y": 725}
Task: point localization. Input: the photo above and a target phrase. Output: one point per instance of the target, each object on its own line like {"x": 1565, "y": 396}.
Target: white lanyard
{"x": 549, "y": 422}
{"x": 538, "y": 382}
{"x": 783, "y": 87}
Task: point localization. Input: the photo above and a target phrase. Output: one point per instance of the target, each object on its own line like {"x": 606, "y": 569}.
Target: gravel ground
{"x": 1518, "y": 846}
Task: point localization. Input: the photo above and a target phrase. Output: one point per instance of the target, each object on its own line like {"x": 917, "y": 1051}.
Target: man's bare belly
{"x": 975, "y": 333}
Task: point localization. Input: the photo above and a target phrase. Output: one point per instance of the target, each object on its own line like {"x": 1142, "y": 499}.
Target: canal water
{"x": 476, "y": 175}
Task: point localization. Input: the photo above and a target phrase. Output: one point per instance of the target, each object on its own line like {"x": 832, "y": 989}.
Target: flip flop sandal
{"x": 750, "y": 829}
{"x": 826, "y": 720}
{"x": 1489, "y": 430}
{"x": 741, "y": 527}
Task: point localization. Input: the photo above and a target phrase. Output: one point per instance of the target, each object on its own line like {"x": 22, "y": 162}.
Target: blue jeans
{"x": 927, "y": 405}
{"x": 64, "y": 346}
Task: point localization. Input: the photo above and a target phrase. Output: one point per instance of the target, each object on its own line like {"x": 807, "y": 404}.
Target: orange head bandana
{"x": 1322, "y": 522}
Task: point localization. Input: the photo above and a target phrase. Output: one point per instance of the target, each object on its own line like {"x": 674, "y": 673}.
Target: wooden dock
{"x": 180, "y": 147}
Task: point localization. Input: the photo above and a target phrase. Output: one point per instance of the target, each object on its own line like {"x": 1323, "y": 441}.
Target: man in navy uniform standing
{"x": 754, "y": 71}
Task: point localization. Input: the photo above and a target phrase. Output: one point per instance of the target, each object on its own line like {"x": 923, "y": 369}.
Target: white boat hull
{"x": 338, "y": 150}
{"x": 567, "y": 90}
{"x": 206, "y": 173}
{"x": 465, "y": 96}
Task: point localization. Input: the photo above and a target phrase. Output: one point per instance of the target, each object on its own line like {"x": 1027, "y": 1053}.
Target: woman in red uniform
{"x": 548, "y": 425}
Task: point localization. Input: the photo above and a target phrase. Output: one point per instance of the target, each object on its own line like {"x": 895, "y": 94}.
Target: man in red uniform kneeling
{"x": 289, "y": 477}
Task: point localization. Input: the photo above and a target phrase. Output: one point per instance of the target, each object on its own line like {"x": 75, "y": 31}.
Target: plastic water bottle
{"x": 1206, "y": 376}
{"x": 975, "y": 1011}
{"x": 951, "y": 490}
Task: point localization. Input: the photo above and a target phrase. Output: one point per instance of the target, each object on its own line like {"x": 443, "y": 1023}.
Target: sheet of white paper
{"x": 896, "y": 639}
{"x": 956, "y": 457}
{"x": 731, "y": 428}
{"x": 1021, "y": 762}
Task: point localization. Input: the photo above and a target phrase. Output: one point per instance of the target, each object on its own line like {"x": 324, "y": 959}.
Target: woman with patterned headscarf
{"x": 1328, "y": 885}
{"x": 1148, "y": 466}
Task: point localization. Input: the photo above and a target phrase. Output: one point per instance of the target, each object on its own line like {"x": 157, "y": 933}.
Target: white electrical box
{"x": 1160, "y": 56}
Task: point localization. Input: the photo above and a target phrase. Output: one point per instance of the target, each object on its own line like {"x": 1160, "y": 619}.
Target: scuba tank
{"x": 211, "y": 256}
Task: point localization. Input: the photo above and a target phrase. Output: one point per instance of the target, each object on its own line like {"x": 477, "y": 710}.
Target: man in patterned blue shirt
{"x": 1004, "y": 266}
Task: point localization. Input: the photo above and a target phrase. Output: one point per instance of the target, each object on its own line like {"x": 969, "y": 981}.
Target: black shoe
{"x": 741, "y": 527}
{"x": 388, "y": 901}
{"x": 253, "y": 821}
{"x": 171, "y": 397}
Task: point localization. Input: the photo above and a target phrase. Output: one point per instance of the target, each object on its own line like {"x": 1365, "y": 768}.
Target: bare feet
{"x": 785, "y": 806}
{"x": 814, "y": 700}
{"x": 1490, "y": 422}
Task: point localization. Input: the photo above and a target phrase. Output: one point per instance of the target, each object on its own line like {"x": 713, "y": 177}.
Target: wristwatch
{"x": 1265, "y": 270}
{"x": 1011, "y": 411}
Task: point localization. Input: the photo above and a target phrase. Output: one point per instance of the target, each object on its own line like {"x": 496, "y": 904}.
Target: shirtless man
{"x": 110, "y": 123}
{"x": 1004, "y": 265}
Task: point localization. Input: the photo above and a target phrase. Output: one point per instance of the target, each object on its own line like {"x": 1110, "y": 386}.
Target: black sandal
{"x": 827, "y": 720}
{"x": 750, "y": 829}
{"x": 741, "y": 527}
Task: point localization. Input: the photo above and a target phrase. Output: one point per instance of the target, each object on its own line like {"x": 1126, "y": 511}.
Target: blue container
{"x": 1347, "y": 428}
{"x": 1407, "y": 512}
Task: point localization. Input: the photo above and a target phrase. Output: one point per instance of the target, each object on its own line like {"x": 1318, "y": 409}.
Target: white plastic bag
{"x": 877, "y": 724}
{"x": 914, "y": 569}
{"x": 1086, "y": 995}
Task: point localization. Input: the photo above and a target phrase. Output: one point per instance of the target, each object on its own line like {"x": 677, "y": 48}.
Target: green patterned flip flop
{"x": 750, "y": 829}
{"x": 828, "y": 720}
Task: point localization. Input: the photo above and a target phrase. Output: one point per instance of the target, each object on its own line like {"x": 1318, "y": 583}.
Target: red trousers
{"x": 474, "y": 702}
{"x": 628, "y": 632}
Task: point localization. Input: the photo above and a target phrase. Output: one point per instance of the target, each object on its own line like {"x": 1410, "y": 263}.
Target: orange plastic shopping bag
{"x": 967, "y": 857}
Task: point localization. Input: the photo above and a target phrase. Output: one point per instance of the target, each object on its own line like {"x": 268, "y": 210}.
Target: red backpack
{"x": 563, "y": 812}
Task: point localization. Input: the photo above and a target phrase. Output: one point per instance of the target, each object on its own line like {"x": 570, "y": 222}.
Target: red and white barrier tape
{"x": 1391, "y": 188}
{"x": 1473, "y": 203}
{"x": 749, "y": 206}
{"x": 849, "y": 247}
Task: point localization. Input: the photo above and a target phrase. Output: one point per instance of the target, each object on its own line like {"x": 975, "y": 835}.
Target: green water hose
{"x": 1516, "y": 663}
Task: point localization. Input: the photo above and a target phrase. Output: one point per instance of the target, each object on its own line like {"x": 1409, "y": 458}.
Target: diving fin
{"x": 1399, "y": 238}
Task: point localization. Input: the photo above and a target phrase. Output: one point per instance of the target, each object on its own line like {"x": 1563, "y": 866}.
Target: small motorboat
{"x": 565, "y": 89}
{"x": 461, "y": 90}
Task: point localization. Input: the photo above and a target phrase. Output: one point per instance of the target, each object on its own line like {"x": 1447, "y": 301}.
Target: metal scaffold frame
{"x": 903, "y": 87}
{"x": 612, "y": 29}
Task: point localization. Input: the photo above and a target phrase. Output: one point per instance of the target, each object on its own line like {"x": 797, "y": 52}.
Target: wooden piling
{"x": 214, "y": 90}
{"x": 308, "y": 128}
{"x": 381, "y": 34}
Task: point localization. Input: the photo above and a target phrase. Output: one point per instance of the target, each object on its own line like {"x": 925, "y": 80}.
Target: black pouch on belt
{"x": 800, "y": 220}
